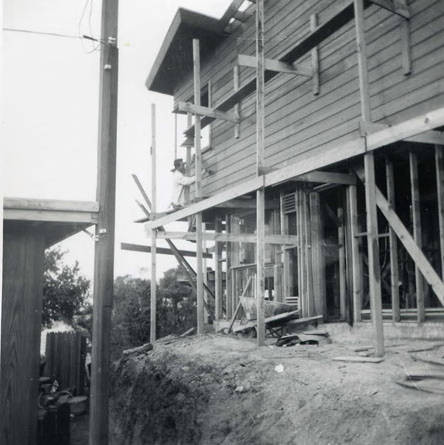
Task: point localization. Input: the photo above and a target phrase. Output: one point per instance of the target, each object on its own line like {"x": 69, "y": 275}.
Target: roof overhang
{"x": 175, "y": 58}
{"x": 58, "y": 220}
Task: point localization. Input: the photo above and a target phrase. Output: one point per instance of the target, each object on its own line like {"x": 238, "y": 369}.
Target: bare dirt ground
{"x": 218, "y": 389}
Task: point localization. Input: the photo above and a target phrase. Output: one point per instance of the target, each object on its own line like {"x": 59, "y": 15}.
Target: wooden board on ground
{"x": 278, "y": 319}
{"x": 359, "y": 359}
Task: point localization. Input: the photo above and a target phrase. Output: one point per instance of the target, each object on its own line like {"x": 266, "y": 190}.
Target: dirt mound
{"x": 223, "y": 390}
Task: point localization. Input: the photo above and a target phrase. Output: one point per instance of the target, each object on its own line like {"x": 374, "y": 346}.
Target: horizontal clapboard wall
{"x": 299, "y": 123}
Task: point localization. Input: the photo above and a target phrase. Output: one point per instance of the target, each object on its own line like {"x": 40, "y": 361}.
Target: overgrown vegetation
{"x": 131, "y": 314}
{"x": 65, "y": 290}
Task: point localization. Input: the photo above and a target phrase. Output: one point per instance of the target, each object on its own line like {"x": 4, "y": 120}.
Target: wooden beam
{"x": 428, "y": 137}
{"x": 230, "y": 12}
{"x": 362, "y": 61}
{"x": 185, "y": 107}
{"x": 153, "y": 284}
{"x": 236, "y": 83}
{"x": 104, "y": 245}
{"x": 51, "y": 216}
{"x": 417, "y": 231}
{"x": 327, "y": 177}
{"x": 260, "y": 193}
{"x": 159, "y": 250}
{"x": 373, "y": 253}
{"x": 355, "y": 147}
{"x": 393, "y": 242}
{"x": 198, "y": 173}
{"x": 276, "y": 66}
{"x": 218, "y": 275}
{"x": 141, "y": 190}
{"x": 315, "y": 57}
{"x": 412, "y": 127}
{"x": 406, "y": 43}
{"x": 342, "y": 265}
{"x": 439, "y": 168}
{"x": 50, "y": 205}
{"x": 395, "y": 6}
{"x": 355, "y": 253}
{"x": 230, "y": 237}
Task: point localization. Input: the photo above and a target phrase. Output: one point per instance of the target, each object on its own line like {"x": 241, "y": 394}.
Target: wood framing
{"x": 230, "y": 237}
{"x": 153, "y": 285}
{"x": 439, "y": 169}
{"x": 185, "y": 107}
{"x": 393, "y": 243}
{"x": 276, "y": 66}
{"x": 159, "y": 250}
{"x": 417, "y": 231}
{"x": 260, "y": 193}
{"x": 198, "y": 174}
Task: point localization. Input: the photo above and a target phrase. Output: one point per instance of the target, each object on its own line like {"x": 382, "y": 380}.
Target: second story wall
{"x": 299, "y": 123}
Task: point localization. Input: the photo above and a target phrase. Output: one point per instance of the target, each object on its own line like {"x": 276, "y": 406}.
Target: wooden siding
{"x": 297, "y": 122}
{"x": 20, "y": 336}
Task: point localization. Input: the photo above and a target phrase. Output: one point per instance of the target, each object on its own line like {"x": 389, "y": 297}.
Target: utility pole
{"x": 104, "y": 247}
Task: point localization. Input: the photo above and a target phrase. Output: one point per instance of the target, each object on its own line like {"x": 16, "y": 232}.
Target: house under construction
{"x": 322, "y": 181}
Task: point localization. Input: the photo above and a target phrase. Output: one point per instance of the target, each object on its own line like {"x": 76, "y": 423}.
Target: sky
{"x": 50, "y": 112}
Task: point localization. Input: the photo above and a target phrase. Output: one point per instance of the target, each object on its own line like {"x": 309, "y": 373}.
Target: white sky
{"x": 50, "y": 111}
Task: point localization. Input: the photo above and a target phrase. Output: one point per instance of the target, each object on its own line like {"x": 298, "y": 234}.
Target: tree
{"x": 176, "y": 310}
{"x": 65, "y": 290}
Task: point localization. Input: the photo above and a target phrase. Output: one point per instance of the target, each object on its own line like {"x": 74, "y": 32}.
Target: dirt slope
{"x": 224, "y": 390}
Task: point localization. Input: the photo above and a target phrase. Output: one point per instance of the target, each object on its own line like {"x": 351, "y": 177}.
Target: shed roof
{"x": 56, "y": 219}
{"x": 175, "y": 58}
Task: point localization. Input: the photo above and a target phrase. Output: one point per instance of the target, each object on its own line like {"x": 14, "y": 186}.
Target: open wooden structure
{"x": 326, "y": 153}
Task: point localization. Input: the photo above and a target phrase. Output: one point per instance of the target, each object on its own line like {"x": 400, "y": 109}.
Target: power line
{"x": 52, "y": 34}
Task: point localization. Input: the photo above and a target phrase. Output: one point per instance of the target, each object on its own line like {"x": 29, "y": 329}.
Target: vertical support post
{"x": 342, "y": 270}
{"x": 228, "y": 264}
{"x": 406, "y": 44}
{"x": 308, "y": 257}
{"x": 285, "y": 255}
{"x": 417, "y": 232}
{"x": 355, "y": 254}
{"x": 370, "y": 186}
{"x": 218, "y": 271}
{"x": 210, "y": 105}
{"x": 317, "y": 256}
{"x": 439, "y": 166}
{"x": 198, "y": 165}
{"x": 153, "y": 231}
{"x": 393, "y": 243}
{"x": 362, "y": 60}
{"x": 175, "y": 135}
{"x": 188, "y": 161}
{"x": 315, "y": 57}
{"x": 373, "y": 253}
{"x": 236, "y": 79}
{"x": 104, "y": 246}
{"x": 260, "y": 194}
{"x": 235, "y": 261}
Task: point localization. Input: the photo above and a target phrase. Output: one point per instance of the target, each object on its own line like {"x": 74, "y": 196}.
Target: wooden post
{"x": 218, "y": 271}
{"x": 373, "y": 253}
{"x": 260, "y": 194}
{"x": 362, "y": 60}
{"x": 308, "y": 258}
{"x": 439, "y": 166}
{"x": 417, "y": 232}
{"x": 342, "y": 270}
{"x": 153, "y": 231}
{"x": 175, "y": 135}
{"x": 188, "y": 161}
{"x": 235, "y": 260}
{"x": 104, "y": 247}
{"x": 198, "y": 165}
{"x": 315, "y": 57}
{"x": 237, "y": 106}
{"x": 317, "y": 256}
{"x": 228, "y": 292}
{"x": 355, "y": 254}
{"x": 393, "y": 243}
